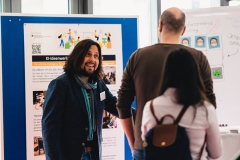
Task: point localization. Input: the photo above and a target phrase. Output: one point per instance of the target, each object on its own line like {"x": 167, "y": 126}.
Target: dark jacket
{"x": 65, "y": 122}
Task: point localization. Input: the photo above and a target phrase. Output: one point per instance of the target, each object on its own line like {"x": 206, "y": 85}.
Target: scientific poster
{"x": 47, "y": 47}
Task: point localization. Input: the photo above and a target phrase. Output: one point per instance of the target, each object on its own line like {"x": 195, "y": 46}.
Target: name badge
{"x": 102, "y": 96}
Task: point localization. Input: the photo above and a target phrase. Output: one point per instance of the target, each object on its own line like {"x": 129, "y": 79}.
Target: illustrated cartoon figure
{"x": 61, "y": 41}
{"x": 200, "y": 41}
{"x": 95, "y": 35}
{"x": 109, "y": 44}
{"x": 216, "y": 73}
{"x": 185, "y": 42}
{"x": 108, "y": 36}
{"x": 72, "y": 41}
{"x": 69, "y": 35}
{"x": 213, "y": 42}
{"x": 78, "y": 40}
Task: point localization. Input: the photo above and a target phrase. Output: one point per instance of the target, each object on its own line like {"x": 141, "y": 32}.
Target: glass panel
{"x": 1, "y": 6}
{"x": 189, "y": 4}
{"x": 183, "y": 4}
{"x": 140, "y": 8}
{"x": 234, "y": 3}
{"x": 45, "y": 6}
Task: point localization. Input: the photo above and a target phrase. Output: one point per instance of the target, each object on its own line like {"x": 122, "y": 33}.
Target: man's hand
{"x": 127, "y": 125}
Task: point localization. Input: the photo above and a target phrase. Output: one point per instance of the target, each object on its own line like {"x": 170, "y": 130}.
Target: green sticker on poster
{"x": 216, "y": 73}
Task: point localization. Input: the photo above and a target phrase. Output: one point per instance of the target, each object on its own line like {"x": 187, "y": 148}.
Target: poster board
{"x": 13, "y": 70}
{"x": 216, "y": 32}
{"x": 1, "y": 108}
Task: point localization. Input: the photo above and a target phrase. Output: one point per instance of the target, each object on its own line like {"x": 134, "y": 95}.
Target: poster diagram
{"x": 47, "y": 47}
{"x": 211, "y": 46}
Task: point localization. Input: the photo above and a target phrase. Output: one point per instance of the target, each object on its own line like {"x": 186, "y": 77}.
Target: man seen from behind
{"x": 143, "y": 72}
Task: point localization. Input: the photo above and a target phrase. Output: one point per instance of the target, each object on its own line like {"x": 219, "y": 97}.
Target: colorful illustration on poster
{"x": 68, "y": 40}
{"x": 200, "y": 41}
{"x": 186, "y": 41}
{"x": 104, "y": 39}
{"x": 109, "y": 44}
{"x": 213, "y": 42}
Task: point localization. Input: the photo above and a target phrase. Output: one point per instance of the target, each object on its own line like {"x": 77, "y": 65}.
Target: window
{"x": 139, "y": 8}
{"x": 234, "y": 3}
{"x": 189, "y": 4}
{"x": 45, "y": 6}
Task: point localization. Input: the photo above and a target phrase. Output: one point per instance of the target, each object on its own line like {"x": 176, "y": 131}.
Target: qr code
{"x": 36, "y": 49}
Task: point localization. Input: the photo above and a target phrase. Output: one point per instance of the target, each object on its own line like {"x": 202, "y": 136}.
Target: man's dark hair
{"x": 213, "y": 39}
{"x": 182, "y": 72}
{"x": 172, "y": 22}
{"x": 199, "y": 39}
{"x": 185, "y": 39}
{"x": 75, "y": 59}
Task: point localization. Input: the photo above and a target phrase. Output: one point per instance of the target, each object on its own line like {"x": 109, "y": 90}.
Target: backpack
{"x": 168, "y": 141}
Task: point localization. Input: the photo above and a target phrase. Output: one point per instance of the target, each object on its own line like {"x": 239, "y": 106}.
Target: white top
{"x": 205, "y": 121}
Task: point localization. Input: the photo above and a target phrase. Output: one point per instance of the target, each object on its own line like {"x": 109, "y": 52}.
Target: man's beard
{"x": 86, "y": 73}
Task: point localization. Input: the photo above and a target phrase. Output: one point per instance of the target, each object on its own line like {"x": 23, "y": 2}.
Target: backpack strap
{"x": 161, "y": 120}
{"x": 185, "y": 107}
{"x": 153, "y": 113}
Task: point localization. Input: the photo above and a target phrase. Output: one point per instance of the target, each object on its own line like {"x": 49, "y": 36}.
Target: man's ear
{"x": 184, "y": 29}
{"x": 160, "y": 26}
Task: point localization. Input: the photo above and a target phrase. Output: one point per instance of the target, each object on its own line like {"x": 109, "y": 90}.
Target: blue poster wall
{"x": 13, "y": 71}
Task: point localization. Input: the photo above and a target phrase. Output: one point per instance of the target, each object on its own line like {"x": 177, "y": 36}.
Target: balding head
{"x": 173, "y": 20}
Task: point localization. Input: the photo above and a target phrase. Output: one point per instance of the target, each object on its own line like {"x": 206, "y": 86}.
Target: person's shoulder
{"x": 211, "y": 112}
{"x": 148, "y": 51}
{"x": 190, "y": 49}
{"x": 147, "y": 48}
{"x": 101, "y": 84}
{"x": 158, "y": 46}
{"x": 198, "y": 54}
{"x": 209, "y": 106}
{"x": 61, "y": 79}
{"x": 162, "y": 100}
